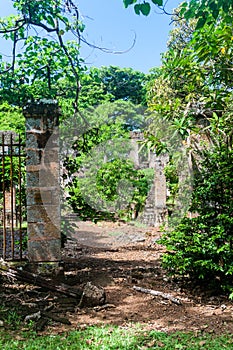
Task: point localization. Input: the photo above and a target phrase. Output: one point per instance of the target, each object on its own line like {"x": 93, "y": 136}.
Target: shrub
{"x": 202, "y": 246}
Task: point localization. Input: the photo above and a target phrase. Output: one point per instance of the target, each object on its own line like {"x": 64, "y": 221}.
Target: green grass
{"x": 114, "y": 338}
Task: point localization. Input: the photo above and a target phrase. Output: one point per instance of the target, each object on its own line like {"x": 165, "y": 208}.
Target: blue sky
{"x": 110, "y": 25}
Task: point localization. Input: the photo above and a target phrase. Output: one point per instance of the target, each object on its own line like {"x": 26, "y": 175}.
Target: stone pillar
{"x": 155, "y": 210}
{"x": 160, "y": 189}
{"x": 43, "y": 181}
{"x": 134, "y": 152}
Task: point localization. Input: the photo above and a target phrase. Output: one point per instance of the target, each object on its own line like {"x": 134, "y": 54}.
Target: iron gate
{"x": 12, "y": 196}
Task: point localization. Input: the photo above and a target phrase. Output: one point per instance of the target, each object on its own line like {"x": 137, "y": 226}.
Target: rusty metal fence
{"x": 12, "y": 196}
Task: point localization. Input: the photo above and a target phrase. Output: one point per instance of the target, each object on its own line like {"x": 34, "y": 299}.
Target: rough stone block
{"x": 44, "y": 250}
{"x": 49, "y": 176}
{"x": 51, "y": 156}
{"x": 43, "y": 231}
{"x": 43, "y": 213}
{"x": 40, "y": 196}
{"x": 31, "y": 141}
{"x": 92, "y": 295}
{"x": 32, "y": 178}
{"x": 34, "y": 156}
{"x": 33, "y": 123}
{"x": 43, "y": 180}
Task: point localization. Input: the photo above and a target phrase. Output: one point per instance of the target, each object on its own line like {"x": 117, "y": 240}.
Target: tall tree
{"x": 124, "y": 83}
{"x": 111, "y": 84}
{"x": 46, "y": 57}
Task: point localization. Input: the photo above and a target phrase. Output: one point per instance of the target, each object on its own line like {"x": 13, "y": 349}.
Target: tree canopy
{"x": 40, "y": 27}
{"x": 205, "y": 12}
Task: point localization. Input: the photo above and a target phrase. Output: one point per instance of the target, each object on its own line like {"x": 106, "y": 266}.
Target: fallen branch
{"x": 37, "y": 316}
{"x": 56, "y": 318}
{"x": 157, "y": 293}
{"x": 104, "y": 307}
{"x": 37, "y": 280}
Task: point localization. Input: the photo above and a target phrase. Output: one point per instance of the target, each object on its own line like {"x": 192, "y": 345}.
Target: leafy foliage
{"x": 142, "y": 7}
{"x": 38, "y": 68}
{"x": 123, "y": 83}
{"x": 202, "y": 246}
{"x": 112, "y": 83}
{"x": 100, "y": 177}
{"x": 206, "y": 12}
{"x": 108, "y": 178}
{"x": 193, "y": 91}
{"x": 11, "y": 118}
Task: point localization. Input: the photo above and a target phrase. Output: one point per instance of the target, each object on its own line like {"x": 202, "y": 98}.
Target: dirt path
{"x": 117, "y": 257}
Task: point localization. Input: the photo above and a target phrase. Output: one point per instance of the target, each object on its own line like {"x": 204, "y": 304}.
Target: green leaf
{"x": 137, "y": 9}
{"x": 50, "y": 21}
{"x": 190, "y": 13}
{"x": 201, "y": 22}
{"x": 129, "y": 2}
{"x": 158, "y": 2}
{"x": 145, "y": 8}
{"x": 215, "y": 10}
{"x": 183, "y": 9}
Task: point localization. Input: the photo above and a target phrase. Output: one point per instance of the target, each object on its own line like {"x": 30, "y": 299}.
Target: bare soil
{"x": 119, "y": 256}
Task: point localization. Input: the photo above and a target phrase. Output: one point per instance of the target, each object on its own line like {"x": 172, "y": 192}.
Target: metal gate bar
{"x": 12, "y": 199}
{"x": 20, "y": 202}
{"x": 11, "y": 184}
{"x": 4, "y": 199}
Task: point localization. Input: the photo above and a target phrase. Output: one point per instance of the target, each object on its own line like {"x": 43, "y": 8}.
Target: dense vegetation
{"x": 191, "y": 93}
{"x": 193, "y": 90}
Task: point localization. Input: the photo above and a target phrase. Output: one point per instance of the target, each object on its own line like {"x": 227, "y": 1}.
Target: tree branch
{"x": 157, "y": 293}
{"x": 15, "y": 29}
{"x": 42, "y": 25}
{"x": 78, "y": 86}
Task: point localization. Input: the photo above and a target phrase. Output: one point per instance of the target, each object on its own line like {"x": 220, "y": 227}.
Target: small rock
{"x": 138, "y": 240}
{"x": 92, "y": 296}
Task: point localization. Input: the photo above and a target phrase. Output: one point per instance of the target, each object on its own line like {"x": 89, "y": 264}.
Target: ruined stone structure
{"x": 43, "y": 188}
{"x": 155, "y": 210}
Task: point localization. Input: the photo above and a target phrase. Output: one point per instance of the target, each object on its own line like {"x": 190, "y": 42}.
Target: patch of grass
{"x": 13, "y": 319}
{"x": 115, "y": 338}
{"x": 187, "y": 341}
{"x": 10, "y": 317}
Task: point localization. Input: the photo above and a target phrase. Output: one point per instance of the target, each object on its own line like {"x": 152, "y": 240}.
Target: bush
{"x": 202, "y": 246}
{"x": 109, "y": 195}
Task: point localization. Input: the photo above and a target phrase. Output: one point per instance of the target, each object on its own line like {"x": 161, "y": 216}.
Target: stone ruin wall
{"x": 155, "y": 211}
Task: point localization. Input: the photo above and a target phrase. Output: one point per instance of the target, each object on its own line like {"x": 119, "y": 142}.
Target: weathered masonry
{"x": 43, "y": 187}
{"x": 155, "y": 211}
